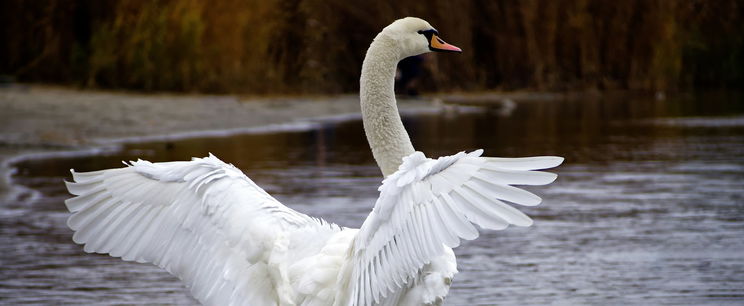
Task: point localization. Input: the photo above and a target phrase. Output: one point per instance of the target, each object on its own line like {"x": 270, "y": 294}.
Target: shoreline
{"x": 43, "y": 121}
{"x": 38, "y": 122}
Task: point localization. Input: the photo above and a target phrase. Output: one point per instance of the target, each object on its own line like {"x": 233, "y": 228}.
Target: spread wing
{"x": 429, "y": 203}
{"x": 202, "y": 220}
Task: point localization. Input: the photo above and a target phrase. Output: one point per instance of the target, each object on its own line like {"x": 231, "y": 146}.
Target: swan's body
{"x": 232, "y": 243}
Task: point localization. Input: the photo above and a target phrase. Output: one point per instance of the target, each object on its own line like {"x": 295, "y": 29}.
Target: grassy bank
{"x": 313, "y": 46}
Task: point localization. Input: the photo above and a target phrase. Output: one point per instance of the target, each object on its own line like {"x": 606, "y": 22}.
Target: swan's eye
{"x": 428, "y": 33}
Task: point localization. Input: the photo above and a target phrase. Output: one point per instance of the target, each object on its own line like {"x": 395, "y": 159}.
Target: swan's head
{"x": 416, "y": 36}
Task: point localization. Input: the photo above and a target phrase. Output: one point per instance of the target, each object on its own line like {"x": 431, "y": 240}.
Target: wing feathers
{"x": 80, "y": 188}
{"x": 85, "y": 177}
{"x": 115, "y": 230}
{"x": 87, "y": 211}
{"x": 426, "y": 230}
{"x": 449, "y": 238}
{"x": 496, "y": 207}
{"x": 139, "y": 224}
{"x": 475, "y": 212}
{"x": 87, "y": 221}
{"x": 525, "y": 163}
{"x": 83, "y": 201}
{"x": 185, "y": 217}
{"x": 428, "y": 204}
{"x": 513, "y": 177}
{"x": 504, "y": 192}
{"x": 146, "y": 241}
{"x": 460, "y": 225}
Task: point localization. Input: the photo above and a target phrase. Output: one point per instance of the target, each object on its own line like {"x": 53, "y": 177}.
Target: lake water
{"x": 648, "y": 207}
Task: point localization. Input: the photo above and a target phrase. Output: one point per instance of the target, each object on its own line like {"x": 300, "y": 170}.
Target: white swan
{"x": 232, "y": 243}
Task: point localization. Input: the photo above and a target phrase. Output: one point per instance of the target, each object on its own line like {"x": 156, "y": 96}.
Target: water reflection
{"x": 647, "y": 209}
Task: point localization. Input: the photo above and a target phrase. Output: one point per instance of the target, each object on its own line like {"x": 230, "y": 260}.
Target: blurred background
{"x": 642, "y": 97}
{"x": 317, "y": 46}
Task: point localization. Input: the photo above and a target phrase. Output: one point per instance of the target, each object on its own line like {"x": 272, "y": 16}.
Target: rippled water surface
{"x": 648, "y": 207}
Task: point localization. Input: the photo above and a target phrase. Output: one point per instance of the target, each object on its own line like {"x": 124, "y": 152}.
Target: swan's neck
{"x": 385, "y": 132}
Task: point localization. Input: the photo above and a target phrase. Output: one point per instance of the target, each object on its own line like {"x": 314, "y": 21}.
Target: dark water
{"x": 648, "y": 208}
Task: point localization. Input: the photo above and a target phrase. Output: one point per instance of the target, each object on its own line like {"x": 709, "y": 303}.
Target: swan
{"x": 231, "y": 243}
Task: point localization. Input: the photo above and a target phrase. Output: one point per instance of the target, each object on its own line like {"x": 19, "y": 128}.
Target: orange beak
{"x": 437, "y": 44}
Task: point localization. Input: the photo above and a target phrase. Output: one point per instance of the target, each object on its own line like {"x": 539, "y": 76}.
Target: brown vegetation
{"x": 279, "y": 46}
